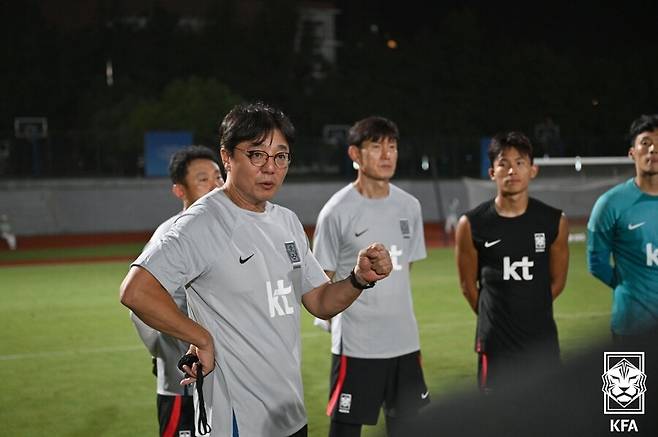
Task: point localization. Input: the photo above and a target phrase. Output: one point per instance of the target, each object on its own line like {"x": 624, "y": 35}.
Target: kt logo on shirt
{"x": 277, "y": 299}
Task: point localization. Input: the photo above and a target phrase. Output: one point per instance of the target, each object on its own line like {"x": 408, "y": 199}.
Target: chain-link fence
{"x": 74, "y": 154}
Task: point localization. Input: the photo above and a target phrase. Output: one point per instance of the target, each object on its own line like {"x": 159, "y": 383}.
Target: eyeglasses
{"x": 258, "y": 158}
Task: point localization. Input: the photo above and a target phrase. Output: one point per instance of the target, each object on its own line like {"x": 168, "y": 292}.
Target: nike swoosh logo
{"x": 491, "y": 243}
{"x": 242, "y": 261}
{"x": 425, "y": 395}
{"x": 358, "y": 234}
{"x": 635, "y": 226}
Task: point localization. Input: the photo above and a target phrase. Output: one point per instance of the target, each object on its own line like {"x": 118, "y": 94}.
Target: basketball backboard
{"x": 31, "y": 127}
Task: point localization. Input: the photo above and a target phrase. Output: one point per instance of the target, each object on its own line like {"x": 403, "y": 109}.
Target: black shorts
{"x": 176, "y": 416}
{"x": 497, "y": 371}
{"x": 360, "y": 386}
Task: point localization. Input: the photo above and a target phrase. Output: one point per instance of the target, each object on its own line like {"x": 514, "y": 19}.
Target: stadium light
{"x": 425, "y": 163}
{"x": 109, "y": 73}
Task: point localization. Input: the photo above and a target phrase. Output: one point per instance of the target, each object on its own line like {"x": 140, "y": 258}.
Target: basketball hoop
{"x": 31, "y": 128}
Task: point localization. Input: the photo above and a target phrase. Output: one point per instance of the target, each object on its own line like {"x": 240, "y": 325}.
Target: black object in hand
{"x": 187, "y": 360}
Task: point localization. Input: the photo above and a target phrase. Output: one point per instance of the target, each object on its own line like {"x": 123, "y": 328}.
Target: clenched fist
{"x": 373, "y": 263}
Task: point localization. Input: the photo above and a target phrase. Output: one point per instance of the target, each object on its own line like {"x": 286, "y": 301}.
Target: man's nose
{"x": 269, "y": 165}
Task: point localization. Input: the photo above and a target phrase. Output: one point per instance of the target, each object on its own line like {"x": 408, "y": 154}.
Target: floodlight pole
{"x": 36, "y": 158}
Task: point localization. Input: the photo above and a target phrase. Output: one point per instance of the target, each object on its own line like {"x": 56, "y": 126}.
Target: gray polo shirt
{"x": 246, "y": 273}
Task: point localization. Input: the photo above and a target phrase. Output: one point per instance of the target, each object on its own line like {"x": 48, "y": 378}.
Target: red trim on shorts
{"x": 484, "y": 370}
{"x": 174, "y": 419}
{"x": 342, "y": 373}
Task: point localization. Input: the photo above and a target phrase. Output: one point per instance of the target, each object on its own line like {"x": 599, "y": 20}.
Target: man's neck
{"x": 241, "y": 201}
{"x": 372, "y": 188}
{"x": 512, "y": 205}
{"x": 647, "y": 183}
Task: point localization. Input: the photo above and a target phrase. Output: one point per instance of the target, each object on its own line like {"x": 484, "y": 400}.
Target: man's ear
{"x": 631, "y": 152}
{"x": 354, "y": 153}
{"x": 178, "y": 191}
{"x": 534, "y": 171}
{"x": 223, "y": 153}
{"x": 491, "y": 173}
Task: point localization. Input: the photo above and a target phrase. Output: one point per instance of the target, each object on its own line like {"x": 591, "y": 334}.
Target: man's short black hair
{"x": 181, "y": 159}
{"x": 645, "y": 123}
{"x": 505, "y": 140}
{"x": 372, "y": 128}
{"x": 253, "y": 122}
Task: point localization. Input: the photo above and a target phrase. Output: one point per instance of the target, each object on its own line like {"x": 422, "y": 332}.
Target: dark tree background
{"x": 451, "y": 69}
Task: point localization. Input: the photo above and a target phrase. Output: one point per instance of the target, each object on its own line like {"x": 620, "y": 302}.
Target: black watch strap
{"x": 356, "y": 284}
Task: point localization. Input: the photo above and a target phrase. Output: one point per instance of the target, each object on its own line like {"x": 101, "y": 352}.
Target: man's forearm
{"x": 471, "y": 294}
{"x": 176, "y": 324}
{"x": 337, "y": 296}
{"x": 599, "y": 267}
{"x": 154, "y": 306}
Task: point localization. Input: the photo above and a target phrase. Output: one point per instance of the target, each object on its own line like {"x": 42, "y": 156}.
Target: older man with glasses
{"x": 248, "y": 268}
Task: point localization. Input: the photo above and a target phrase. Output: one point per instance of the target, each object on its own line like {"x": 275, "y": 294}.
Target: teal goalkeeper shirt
{"x": 624, "y": 224}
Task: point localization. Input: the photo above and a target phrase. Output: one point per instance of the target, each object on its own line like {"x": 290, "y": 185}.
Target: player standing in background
{"x": 624, "y": 224}
{"x": 375, "y": 344}
{"x": 6, "y": 232}
{"x": 248, "y": 269}
{"x": 512, "y": 255}
{"x": 194, "y": 172}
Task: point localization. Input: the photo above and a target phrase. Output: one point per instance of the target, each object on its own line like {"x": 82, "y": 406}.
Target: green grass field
{"x": 74, "y": 366}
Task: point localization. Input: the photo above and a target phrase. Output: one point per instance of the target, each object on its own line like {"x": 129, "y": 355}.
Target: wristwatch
{"x": 357, "y": 285}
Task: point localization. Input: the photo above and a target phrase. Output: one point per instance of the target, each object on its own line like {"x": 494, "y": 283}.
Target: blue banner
{"x": 158, "y": 148}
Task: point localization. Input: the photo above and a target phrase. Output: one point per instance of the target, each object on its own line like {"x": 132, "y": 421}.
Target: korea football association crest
{"x": 345, "y": 403}
{"x": 404, "y": 228}
{"x": 540, "y": 242}
{"x": 293, "y": 254}
{"x": 624, "y": 383}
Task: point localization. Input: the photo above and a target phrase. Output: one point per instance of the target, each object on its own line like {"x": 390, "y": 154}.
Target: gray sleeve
{"x": 312, "y": 273}
{"x": 180, "y": 255}
{"x": 161, "y": 231}
{"x": 417, "y": 245}
{"x": 326, "y": 241}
